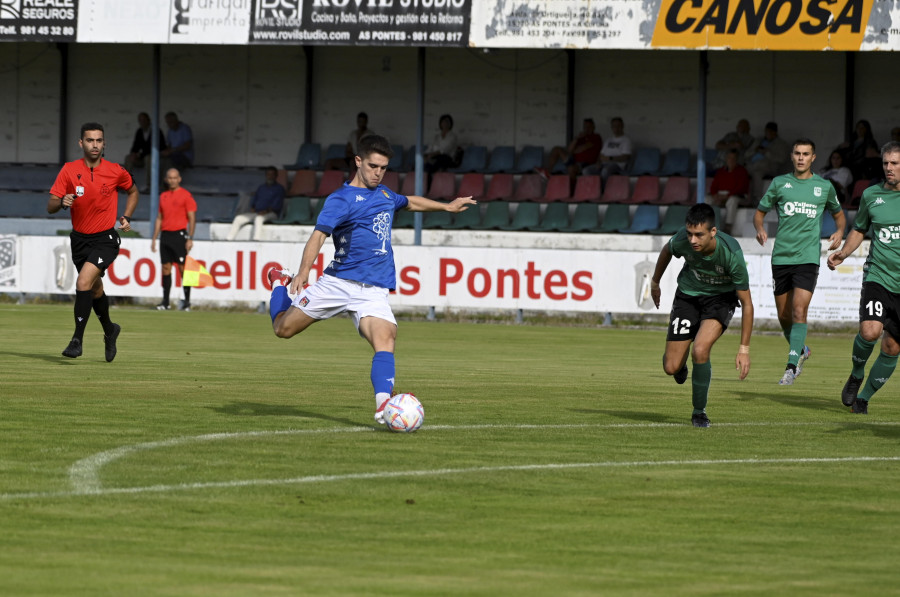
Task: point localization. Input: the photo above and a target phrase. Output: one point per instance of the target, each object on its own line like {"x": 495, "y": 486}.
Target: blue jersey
{"x": 359, "y": 220}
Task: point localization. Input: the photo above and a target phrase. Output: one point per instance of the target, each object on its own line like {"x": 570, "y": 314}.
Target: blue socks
{"x": 383, "y": 372}
{"x": 279, "y": 302}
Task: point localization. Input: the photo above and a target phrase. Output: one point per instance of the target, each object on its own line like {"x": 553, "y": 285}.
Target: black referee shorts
{"x": 172, "y": 246}
{"x": 101, "y": 248}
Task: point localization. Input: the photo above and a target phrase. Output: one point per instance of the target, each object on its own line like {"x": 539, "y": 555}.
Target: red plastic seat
{"x": 303, "y": 184}
{"x": 557, "y": 189}
{"x": 587, "y": 189}
{"x": 646, "y": 190}
{"x": 443, "y": 186}
{"x": 330, "y": 182}
{"x": 618, "y": 189}
{"x": 677, "y": 191}
{"x": 391, "y": 180}
{"x": 529, "y": 188}
{"x": 858, "y": 187}
{"x": 472, "y": 185}
{"x": 500, "y": 188}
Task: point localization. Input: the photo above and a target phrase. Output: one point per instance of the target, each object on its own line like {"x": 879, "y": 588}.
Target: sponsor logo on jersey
{"x": 794, "y": 208}
{"x": 889, "y": 234}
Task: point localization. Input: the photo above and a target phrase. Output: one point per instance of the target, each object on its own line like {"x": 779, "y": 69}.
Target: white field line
{"x": 84, "y": 475}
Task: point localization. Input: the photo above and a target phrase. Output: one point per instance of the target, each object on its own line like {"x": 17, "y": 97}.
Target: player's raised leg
{"x": 286, "y": 321}
{"x": 675, "y": 359}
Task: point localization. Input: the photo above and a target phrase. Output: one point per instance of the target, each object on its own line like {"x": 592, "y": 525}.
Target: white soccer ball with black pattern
{"x": 404, "y": 413}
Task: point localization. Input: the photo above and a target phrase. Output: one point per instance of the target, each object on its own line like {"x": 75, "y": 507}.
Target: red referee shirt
{"x": 174, "y": 207}
{"x": 95, "y": 210}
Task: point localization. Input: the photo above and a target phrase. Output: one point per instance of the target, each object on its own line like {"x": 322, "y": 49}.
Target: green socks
{"x": 862, "y": 350}
{"x": 881, "y": 371}
{"x": 700, "y": 377}
{"x": 797, "y": 340}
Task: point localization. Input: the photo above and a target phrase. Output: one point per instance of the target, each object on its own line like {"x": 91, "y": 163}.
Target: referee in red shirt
{"x": 89, "y": 187}
{"x": 175, "y": 225}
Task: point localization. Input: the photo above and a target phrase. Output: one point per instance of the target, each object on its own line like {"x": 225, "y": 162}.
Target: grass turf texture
{"x": 553, "y": 461}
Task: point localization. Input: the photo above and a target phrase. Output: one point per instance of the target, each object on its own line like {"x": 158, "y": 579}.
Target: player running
{"x": 711, "y": 283}
{"x": 879, "y": 303}
{"x": 358, "y": 217}
{"x": 801, "y": 199}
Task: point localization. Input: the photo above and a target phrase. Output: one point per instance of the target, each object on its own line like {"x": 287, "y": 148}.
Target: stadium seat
{"x": 391, "y": 180}
{"x": 404, "y": 219}
{"x": 496, "y": 216}
{"x": 618, "y": 189}
{"x": 214, "y": 208}
{"x": 646, "y": 218}
{"x": 396, "y": 162}
{"x": 529, "y": 188}
{"x": 335, "y": 151}
{"x": 858, "y": 187}
{"x": 471, "y": 185}
{"x": 308, "y": 156}
{"x": 526, "y": 217}
{"x": 297, "y": 210}
{"x": 443, "y": 186}
{"x": 500, "y": 188}
{"x": 330, "y": 182}
{"x": 676, "y": 162}
{"x": 503, "y": 159}
{"x": 556, "y": 217}
{"x": 829, "y": 226}
{"x": 615, "y": 217}
{"x": 677, "y": 191}
{"x": 303, "y": 184}
{"x": 646, "y": 190}
{"x": 585, "y": 219}
{"x": 531, "y": 157}
{"x": 646, "y": 161}
{"x": 437, "y": 219}
{"x": 470, "y": 218}
{"x": 587, "y": 189}
{"x": 282, "y": 178}
{"x": 710, "y": 155}
{"x": 474, "y": 159}
{"x": 673, "y": 220}
{"x": 557, "y": 189}
{"x": 409, "y": 184}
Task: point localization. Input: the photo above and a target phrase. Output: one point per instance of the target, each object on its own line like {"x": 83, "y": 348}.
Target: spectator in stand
{"x": 362, "y": 130}
{"x": 442, "y": 152}
{"x": 840, "y": 176}
{"x": 266, "y": 205}
{"x": 582, "y": 151}
{"x": 180, "y": 152}
{"x": 139, "y": 155}
{"x": 740, "y": 140}
{"x": 729, "y": 187}
{"x": 768, "y": 157}
{"x": 615, "y": 154}
{"x": 863, "y": 154}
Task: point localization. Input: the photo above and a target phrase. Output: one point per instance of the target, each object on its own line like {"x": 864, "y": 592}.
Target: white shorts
{"x": 330, "y": 296}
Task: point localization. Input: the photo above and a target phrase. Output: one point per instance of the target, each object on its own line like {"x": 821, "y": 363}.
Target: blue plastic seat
{"x": 676, "y": 162}
{"x": 396, "y": 162}
{"x": 646, "y": 161}
{"x": 474, "y": 159}
{"x": 503, "y": 159}
{"x": 646, "y": 218}
{"x": 531, "y": 157}
{"x": 308, "y": 157}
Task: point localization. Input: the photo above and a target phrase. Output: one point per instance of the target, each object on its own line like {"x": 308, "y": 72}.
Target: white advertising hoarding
{"x": 440, "y": 277}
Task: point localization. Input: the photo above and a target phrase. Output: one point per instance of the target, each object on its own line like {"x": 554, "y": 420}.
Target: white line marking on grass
{"x": 435, "y": 473}
{"x": 84, "y": 475}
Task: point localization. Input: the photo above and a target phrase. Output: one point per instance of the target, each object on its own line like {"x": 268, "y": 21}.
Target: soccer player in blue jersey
{"x": 358, "y": 217}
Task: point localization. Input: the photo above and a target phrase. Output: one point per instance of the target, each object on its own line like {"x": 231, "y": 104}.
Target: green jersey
{"x": 880, "y": 209}
{"x": 723, "y": 270}
{"x": 801, "y": 205}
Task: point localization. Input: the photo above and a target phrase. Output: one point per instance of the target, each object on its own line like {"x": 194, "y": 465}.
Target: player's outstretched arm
{"x": 459, "y": 204}
{"x": 662, "y": 262}
{"x": 854, "y": 239}
{"x": 310, "y": 254}
{"x": 742, "y": 360}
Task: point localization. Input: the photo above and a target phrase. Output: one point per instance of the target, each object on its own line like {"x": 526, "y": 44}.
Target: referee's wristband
{"x": 127, "y": 219}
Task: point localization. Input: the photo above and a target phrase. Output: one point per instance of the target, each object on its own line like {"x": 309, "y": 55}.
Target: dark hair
{"x": 615, "y": 118}
{"x": 90, "y": 126}
{"x": 272, "y": 169}
{"x": 448, "y": 117}
{"x": 805, "y": 141}
{"x": 772, "y": 126}
{"x": 376, "y": 144}
{"x": 591, "y": 120}
{"x": 144, "y": 114}
{"x": 172, "y": 114}
{"x": 890, "y": 147}
{"x": 700, "y": 213}
{"x": 362, "y": 115}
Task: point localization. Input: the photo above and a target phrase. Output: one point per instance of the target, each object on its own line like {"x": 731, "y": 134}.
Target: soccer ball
{"x": 403, "y": 413}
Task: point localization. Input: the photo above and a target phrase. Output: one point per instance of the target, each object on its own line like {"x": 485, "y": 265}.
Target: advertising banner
{"x": 361, "y": 22}
{"x": 38, "y": 20}
{"x": 846, "y": 25}
{"x": 441, "y": 277}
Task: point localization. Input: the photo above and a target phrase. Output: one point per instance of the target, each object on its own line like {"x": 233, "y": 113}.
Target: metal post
{"x": 701, "y": 130}
{"x": 154, "y": 145}
{"x": 420, "y": 143}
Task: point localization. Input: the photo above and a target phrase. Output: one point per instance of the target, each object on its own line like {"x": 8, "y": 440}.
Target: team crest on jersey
{"x": 385, "y": 193}
{"x": 106, "y": 190}
{"x": 817, "y": 191}
{"x": 720, "y": 269}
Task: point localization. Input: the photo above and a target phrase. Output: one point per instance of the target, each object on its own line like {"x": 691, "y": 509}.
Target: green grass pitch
{"x": 211, "y": 458}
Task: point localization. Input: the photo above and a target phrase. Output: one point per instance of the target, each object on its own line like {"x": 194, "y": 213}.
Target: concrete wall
{"x": 246, "y": 104}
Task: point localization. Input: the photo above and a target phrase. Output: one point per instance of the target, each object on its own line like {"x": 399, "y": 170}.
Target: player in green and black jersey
{"x": 879, "y": 303}
{"x": 800, "y": 199}
{"x": 712, "y": 282}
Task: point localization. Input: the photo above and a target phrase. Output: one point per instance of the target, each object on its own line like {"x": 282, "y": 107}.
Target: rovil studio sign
{"x": 762, "y": 24}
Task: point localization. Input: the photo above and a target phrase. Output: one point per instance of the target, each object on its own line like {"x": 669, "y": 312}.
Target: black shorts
{"x": 788, "y": 277}
{"x": 877, "y": 303}
{"x": 688, "y": 311}
{"x": 172, "y": 246}
{"x": 101, "y": 248}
